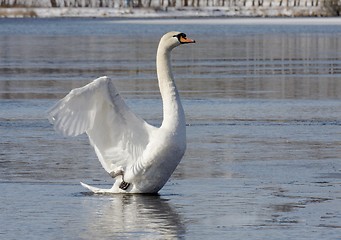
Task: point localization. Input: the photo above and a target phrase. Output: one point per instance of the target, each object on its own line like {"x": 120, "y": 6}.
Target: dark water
{"x": 262, "y": 101}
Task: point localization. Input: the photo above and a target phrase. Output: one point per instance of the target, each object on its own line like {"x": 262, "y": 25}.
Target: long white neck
{"x": 173, "y": 113}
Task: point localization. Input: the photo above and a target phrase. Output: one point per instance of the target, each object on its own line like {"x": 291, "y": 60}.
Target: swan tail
{"x": 95, "y": 189}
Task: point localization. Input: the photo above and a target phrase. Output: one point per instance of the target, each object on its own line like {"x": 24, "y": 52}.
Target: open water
{"x": 262, "y": 100}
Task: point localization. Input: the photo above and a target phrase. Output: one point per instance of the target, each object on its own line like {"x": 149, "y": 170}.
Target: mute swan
{"x": 139, "y": 156}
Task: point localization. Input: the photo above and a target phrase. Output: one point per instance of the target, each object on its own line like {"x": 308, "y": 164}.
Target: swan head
{"x": 173, "y": 39}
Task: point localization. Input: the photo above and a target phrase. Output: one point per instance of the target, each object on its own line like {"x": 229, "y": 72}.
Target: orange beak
{"x": 186, "y": 40}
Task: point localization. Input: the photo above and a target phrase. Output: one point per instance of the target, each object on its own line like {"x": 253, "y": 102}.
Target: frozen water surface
{"x": 262, "y": 100}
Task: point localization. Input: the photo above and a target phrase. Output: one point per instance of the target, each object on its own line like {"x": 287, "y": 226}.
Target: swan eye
{"x": 180, "y": 36}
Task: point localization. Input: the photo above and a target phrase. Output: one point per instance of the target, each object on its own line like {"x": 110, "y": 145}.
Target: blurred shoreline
{"x": 167, "y": 12}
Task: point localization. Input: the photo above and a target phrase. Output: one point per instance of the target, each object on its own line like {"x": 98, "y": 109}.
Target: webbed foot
{"x": 124, "y": 185}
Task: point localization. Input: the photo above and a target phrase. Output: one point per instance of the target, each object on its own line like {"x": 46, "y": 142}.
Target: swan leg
{"x": 114, "y": 174}
{"x": 124, "y": 185}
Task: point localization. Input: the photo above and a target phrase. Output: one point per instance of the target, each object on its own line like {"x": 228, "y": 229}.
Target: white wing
{"x": 117, "y": 134}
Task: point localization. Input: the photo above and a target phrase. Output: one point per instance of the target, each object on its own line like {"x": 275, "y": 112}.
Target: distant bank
{"x": 170, "y": 8}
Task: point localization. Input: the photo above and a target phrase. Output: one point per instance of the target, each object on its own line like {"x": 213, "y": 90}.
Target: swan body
{"x": 139, "y": 156}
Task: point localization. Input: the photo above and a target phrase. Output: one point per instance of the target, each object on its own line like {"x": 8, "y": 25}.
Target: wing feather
{"x": 118, "y": 136}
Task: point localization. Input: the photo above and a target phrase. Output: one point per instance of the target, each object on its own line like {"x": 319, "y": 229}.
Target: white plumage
{"x": 138, "y": 155}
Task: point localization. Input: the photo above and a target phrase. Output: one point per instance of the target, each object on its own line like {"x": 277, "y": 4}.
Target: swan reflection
{"x": 149, "y": 216}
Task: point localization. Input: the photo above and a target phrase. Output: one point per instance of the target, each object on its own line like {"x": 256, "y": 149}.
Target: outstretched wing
{"x": 117, "y": 134}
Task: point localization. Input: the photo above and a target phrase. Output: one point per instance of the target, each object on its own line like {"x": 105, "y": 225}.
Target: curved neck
{"x": 173, "y": 113}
